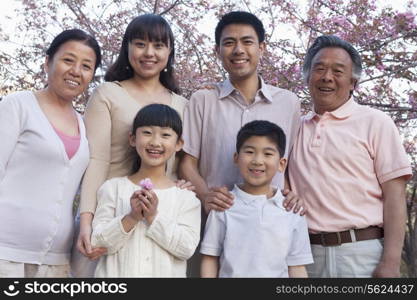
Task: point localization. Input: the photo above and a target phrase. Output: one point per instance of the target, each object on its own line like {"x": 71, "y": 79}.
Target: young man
{"x": 214, "y": 116}
{"x": 256, "y": 237}
{"x": 349, "y": 166}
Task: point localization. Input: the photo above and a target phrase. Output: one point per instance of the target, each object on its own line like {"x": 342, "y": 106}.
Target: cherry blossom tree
{"x": 386, "y": 39}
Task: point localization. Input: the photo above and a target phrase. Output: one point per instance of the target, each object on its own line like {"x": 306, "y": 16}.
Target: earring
{"x": 165, "y": 70}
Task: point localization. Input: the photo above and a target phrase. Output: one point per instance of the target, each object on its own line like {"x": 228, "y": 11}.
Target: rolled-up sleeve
{"x": 193, "y": 124}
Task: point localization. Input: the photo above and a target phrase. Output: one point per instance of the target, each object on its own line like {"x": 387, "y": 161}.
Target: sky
{"x": 9, "y": 24}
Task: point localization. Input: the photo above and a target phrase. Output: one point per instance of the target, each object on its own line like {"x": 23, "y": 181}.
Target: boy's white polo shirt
{"x": 256, "y": 237}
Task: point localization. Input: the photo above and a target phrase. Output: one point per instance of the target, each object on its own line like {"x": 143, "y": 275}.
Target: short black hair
{"x": 156, "y": 115}
{"x": 262, "y": 128}
{"x": 240, "y": 17}
{"x": 74, "y": 35}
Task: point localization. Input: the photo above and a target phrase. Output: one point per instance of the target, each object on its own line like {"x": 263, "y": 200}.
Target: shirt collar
{"x": 343, "y": 112}
{"x": 227, "y": 88}
{"x": 277, "y": 199}
{"x": 265, "y": 90}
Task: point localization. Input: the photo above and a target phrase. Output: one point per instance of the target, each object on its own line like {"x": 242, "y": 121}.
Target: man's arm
{"x": 297, "y": 271}
{"x": 394, "y": 227}
{"x": 209, "y": 266}
{"x": 188, "y": 170}
{"x": 215, "y": 198}
{"x": 292, "y": 201}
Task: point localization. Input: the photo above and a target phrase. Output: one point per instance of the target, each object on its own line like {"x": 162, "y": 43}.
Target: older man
{"x": 350, "y": 167}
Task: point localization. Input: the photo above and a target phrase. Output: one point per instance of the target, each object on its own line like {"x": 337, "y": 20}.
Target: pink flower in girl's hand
{"x": 146, "y": 184}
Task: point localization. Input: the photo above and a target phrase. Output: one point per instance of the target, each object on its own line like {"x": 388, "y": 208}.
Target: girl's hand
{"x": 136, "y": 212}
{"x": 184, "y": 185}
{"x": 149, "y": 204}
{"x": 84, "y": 241}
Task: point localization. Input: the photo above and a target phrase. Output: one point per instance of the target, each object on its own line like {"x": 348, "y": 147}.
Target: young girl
{"x": 147, "y": 233}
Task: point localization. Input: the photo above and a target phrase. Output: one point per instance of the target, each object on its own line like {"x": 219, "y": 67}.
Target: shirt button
{"x": 318, "y": 137}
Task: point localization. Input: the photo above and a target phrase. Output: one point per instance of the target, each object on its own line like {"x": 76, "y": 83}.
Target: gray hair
{"x": 331, "y": 41}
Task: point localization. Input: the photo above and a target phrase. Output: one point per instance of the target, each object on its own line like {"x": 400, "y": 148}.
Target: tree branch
{"x": 386, "y": 74}
{"x": 80, "y": 15}
{"x": 171, "y": 7}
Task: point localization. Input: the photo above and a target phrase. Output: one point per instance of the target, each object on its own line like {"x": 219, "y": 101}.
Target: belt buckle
{"x": 323, "y": 240}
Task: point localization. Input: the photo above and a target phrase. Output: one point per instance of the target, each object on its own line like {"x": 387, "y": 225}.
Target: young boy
{"x": 256, "y": 237}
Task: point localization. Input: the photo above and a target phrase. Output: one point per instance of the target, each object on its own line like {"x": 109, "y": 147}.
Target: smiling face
{"x": 258, "y": 161}
{"x": 330, "y": 81}
{"x": 155, "y": 145}
{"x": 240, "y": 51}
{"x": 148, "y": 58}
{"x": 70, "y": 70}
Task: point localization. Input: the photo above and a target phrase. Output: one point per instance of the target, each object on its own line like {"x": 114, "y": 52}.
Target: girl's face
{"x": 70, "y": 70}
{"x": 155, "y": 145}
{"x": 148, "y": 59}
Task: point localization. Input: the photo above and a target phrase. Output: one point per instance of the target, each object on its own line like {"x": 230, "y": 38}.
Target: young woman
{"x": 43, "y": 155}
{"x": 141, "y": 75}
{"x": 149, "y": 231}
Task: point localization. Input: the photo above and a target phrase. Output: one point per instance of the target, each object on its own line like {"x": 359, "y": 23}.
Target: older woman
{"x": 43, "y": 155}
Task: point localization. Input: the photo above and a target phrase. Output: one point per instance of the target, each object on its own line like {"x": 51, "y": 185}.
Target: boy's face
{"x": 258, "y": 161}
{"x": 240, "y": 51}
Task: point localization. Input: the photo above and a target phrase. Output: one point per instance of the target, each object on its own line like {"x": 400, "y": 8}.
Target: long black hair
{"x": 149, "y": 27}
{"x": 155, "y": 115}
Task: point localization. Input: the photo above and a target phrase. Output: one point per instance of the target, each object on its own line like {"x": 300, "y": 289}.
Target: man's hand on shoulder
{"x": 218, "y": 198}
{"x": 293, "y": 202}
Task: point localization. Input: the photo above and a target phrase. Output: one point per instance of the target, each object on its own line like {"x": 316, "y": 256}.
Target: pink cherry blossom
{"x": 146, "y": 184}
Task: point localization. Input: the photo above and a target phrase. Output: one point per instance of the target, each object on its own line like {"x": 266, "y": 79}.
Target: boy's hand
{"x": 136, "y": 212}
{"x": 293, "y": 202}
{"x": 149, "y": 204}
{"x": 218, "y": 198}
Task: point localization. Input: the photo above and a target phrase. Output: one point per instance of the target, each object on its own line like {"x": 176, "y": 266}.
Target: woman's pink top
{"x": 71, "y": 143}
